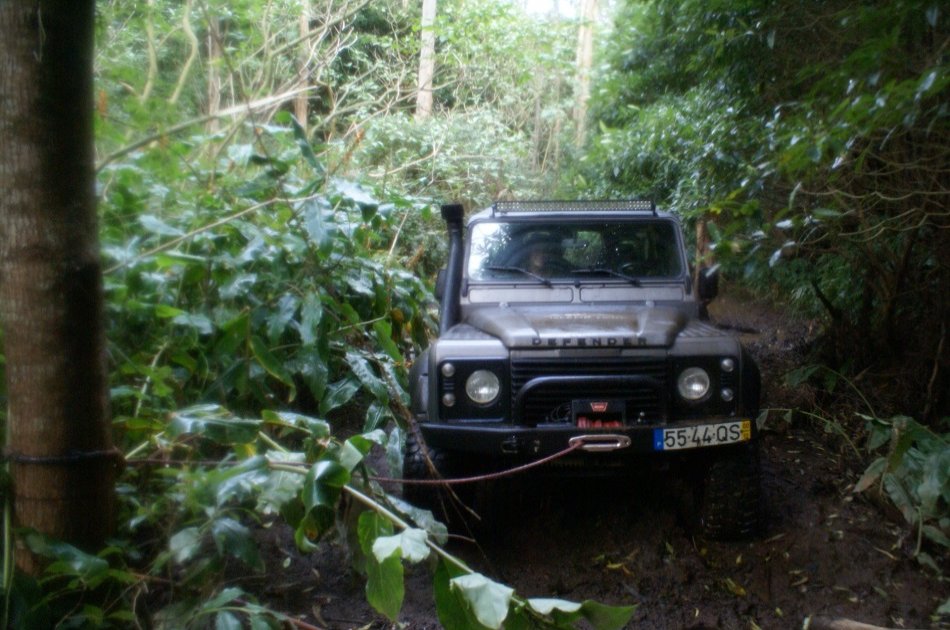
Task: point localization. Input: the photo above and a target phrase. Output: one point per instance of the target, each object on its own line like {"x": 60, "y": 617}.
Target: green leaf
{"x": 322, "y": 484}
{"x": 214, "y": 423}
{"x": 547, "y": 606}
{"x": 435, "y": 529}
{"x": 317, "y": 428}
{"x": 167, "y": 312}
{"x": 185, "y": 544}
{"x": 373, "y": 384}
{"x": 311, "y": 313}
{"x": 234, "y": 539}
{"x": 338, "y": 394}
{"x": 227, "y": 620}
{"x": 603, "y": 617}
{"x": 871, "y": 475}
{"x": 453, "y": 612}
{"x": 488, "y": 599}
{"x": 69, "y": 559}
{"x": 196, "y": 321}
{"x": 226, "y": 596}
{"x": 356, "y": 448}
{"x": 385, "y": 588}
{"x": 156, "y": 226}
{"x": 384, "y": 337}
{"x": 273, "y": 367}
{"x": 409, "y": 544}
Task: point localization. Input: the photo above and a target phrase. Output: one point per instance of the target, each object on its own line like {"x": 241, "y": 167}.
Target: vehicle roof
{"x": 561, "y": 210}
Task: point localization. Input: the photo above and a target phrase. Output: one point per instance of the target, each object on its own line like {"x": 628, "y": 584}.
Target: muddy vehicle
{"x": 577, "y": 324}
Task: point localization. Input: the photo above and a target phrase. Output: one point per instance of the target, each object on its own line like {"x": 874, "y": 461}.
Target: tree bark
{"x": 585, "y": 61}
{"x": 51, "y": 306}
{"x": 426, "y": 61}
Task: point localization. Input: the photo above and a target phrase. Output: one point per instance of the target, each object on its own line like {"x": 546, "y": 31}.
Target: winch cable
{"x": 486, "y": 477}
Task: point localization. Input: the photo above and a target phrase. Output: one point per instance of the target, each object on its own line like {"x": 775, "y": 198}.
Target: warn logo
{"x": 598, "y": 407}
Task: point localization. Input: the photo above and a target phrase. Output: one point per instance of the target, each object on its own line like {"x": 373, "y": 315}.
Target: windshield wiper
{"x": 604, "y": 271}
{"x": 540, "y": 279}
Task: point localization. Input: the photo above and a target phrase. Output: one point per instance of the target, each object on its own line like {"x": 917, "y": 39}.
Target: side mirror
{"x": 440, "y": 284}
{"x": 708, "y": 283}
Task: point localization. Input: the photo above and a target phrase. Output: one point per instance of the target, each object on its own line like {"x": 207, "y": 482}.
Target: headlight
{"x": 482, "y": 387}
{"x": 693, "y": 383}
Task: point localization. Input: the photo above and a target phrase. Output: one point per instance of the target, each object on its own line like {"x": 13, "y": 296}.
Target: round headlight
{"x": 693, "y": 383}
{"x": 482, "y": 387}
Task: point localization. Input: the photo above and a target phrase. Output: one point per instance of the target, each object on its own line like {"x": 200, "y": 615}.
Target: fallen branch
{"x": 827, "y": 623}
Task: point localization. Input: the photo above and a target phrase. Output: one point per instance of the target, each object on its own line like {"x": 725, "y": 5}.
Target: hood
{"x": 533, "y": 328}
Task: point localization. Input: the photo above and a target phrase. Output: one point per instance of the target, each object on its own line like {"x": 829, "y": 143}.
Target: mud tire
{"x": 731, "y": 504}
{"x": 414, "y": 466}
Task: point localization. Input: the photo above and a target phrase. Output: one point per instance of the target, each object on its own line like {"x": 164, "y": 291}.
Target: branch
{"x": 234, "y": 110}
{"x": 152, "y": 56}
{"x": 192, "y": 55}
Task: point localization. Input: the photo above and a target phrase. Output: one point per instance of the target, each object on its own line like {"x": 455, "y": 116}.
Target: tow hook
{"x": 600, "y": 443}
{"x": 513, "y": 446}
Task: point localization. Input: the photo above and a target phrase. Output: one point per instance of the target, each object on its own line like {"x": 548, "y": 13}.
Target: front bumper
{"x": 542, "y": 440}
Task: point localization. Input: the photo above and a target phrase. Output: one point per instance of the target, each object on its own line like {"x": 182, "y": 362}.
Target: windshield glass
{"x": 608, "y": 251}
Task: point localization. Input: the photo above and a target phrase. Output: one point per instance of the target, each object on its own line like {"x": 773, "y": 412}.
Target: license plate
{"x": 698, "y": 436}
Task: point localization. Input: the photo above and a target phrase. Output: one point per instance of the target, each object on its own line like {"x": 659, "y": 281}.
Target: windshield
{"x": 534, "y": 252}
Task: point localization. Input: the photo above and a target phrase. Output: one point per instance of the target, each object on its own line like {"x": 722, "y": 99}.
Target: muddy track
{"x": 825, "y": 552}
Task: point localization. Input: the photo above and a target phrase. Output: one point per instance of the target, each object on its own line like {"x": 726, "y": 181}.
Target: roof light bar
{"x": 632, "y": 205}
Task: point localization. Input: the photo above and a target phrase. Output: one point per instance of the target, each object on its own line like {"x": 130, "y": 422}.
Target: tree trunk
{"x": 59, "y": 443}
{"x": 585, "y": 61}
{"x": 214, "y": 73}
{"x": 302, "y": 100}
{"x": 426, "y": 61}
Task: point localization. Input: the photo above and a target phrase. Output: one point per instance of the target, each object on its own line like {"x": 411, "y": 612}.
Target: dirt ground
{"x": 825, "y": 552}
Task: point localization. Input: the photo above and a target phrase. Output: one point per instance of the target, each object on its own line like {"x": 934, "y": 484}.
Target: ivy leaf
{"x": 488, "y": 599}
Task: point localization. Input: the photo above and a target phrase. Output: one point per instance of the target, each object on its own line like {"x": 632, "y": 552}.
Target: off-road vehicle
{"x": 578, "y": 324}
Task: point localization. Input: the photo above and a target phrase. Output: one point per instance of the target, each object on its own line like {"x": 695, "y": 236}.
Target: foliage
{"x": 293, "y": 298}
{"x": 208, "y": 514}
{"x": 263, "y": 262}
{"x": 914, "y": 474}
{"x": 816, "y": 155}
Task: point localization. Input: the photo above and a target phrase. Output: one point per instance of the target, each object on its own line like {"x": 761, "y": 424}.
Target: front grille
{"x": 551, "y": 402}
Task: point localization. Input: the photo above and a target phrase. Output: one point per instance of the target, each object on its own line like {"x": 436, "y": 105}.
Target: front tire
{"x": 731, "y": 505}
{"x": 415, "y": 467}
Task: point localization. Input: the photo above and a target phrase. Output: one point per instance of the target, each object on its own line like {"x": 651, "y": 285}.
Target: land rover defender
{"x": 578, "y": 324}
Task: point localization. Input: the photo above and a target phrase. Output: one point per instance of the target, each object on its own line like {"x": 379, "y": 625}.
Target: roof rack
{"x": 579, "y": 205}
